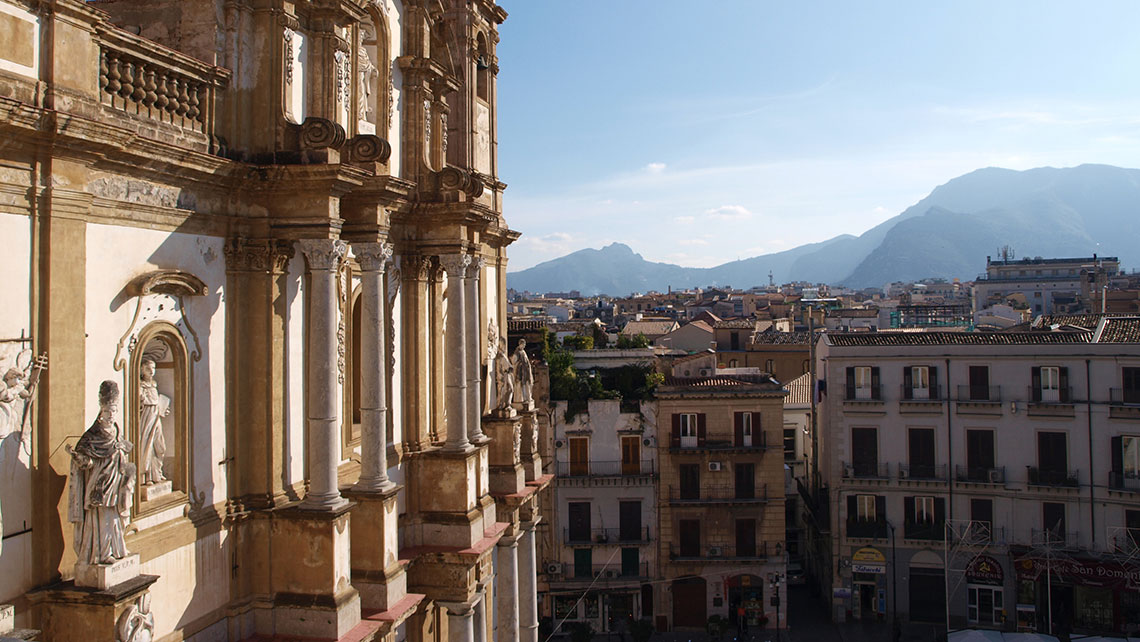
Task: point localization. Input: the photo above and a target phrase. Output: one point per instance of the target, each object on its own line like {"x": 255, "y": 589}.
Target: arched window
{"x": 482, "y": 69}
{"x": 158, "y": 417}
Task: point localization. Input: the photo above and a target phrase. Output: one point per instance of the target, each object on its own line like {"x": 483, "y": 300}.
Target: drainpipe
{"x": 949, "y": 452}
{"x": 1092, "y": 484}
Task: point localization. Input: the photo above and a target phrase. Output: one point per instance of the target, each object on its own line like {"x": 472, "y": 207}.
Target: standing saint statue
{"x": 102, "y": 482}
{"x": 153, "y": 406}
{"x": 524, "y": 376}
{"x": 504, "y": 379}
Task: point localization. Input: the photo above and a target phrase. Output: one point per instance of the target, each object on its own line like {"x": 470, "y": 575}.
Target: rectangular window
{"x": 688, "y": 430}
{"x": 583, "y": 563}
{"x": 982, "y": 514}
{"x": 734, "y": 341}
{"x": 979, "y": 383}
{"x": 690, "y": 540}
{"x": 745, "y": 426}
{"x": 863, "y": 382}
{"x": 746, "y": 538}
{"x": 1130, "y": 378}
{"x": 921, "y": 445}
{"x": 790, "y": 444}
{"x": 630, "y": 562}
{"x": 769, "y": 367}
{"x": 865, "y": 452}
{"x": 920, "y": 382}
{"x": 579, "y": 521}
{"x": 579, "y": 456}
{"x": 979, "y": 454}
{"x": 1052, "y": 453}
{"x": 629, "y": 521}
{"x": 1053, "y": 520}
{"x": 1130, "y": 450}
{"x": 690, "y": 481}
{"x": 631, "y": 455}
{"x": 865, "y": 505}
{"x": 1050, "y": 383}
{"x": 745, "y": 480}
{"x": 923, "y": 510}
{"x": 984, "y": 605}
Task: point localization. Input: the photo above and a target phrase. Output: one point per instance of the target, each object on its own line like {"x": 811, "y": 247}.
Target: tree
{"x": 600, "y": 339}
{"x": 578, "y": 342}
{"x": 627, "y": 342}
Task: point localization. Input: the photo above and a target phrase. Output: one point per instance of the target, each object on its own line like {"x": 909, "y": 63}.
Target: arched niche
{"x": 374, "y": 64}
{"x": 158, "y": 416}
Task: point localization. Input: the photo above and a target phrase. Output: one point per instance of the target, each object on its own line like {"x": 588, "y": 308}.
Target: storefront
{"x": 985, "y": 593}
{"x": 868, "y": 583}
{"x": 1079, "y": 595}
{"x": 747, "y": 592}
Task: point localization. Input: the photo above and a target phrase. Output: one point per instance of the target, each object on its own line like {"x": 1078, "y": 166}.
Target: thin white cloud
{"x": 692, "y": 242}
{"x": 655, "y": 168}
{"x": 684, "y": 220}
{"x": 729, "y": 213}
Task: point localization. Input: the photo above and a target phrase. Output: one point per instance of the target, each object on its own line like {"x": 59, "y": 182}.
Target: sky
{"x": 703, "y": 132}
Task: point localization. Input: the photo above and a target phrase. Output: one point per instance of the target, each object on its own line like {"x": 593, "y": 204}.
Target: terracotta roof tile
{"x": 956, "y": 338}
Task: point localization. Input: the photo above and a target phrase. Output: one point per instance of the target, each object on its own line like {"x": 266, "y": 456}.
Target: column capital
{"x": 455, "y": 265}
{"x": 477, "y": 263}
{"x": 459, "y": 609}
{"x": 323, "y": 254}
{"x": 372, "y": 257}
{"x": 257, "y": 255}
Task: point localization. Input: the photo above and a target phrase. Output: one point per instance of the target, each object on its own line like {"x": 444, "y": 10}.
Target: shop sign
{"x": 877, "y": 569}
{"x": 869, "y": 555}
{"x": 1082, "y": 572}
{"x": 985, "y": 570}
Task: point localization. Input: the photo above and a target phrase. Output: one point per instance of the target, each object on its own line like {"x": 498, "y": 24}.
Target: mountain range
{"x": 1047, "y": 211}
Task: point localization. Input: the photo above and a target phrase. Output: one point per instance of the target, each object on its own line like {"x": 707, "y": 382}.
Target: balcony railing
{"x": 923, "y": 472}
{"x": 865, "y": 394}
{"x": 1127, "y": 480}
{"x": 1124, "y": 396}
{"x": 867, "y": 528}
{"x": 983, "y": 394}
{"x": 720, "y": 553}
{"x": 1126, "y": 542}
{"x": 1048, "y": 477}
{"x": 603, "y": 572}
{"x": 718, "y": 494}
{"x": 603, "y": 468}
{"x": 919, "y": 395}
{"x": 866, "y": 470}
{"x": 1058, "y": 396}
{"x": 602, "y": 536}
{"x": 1054, "y": 538}
{"x": 982, "y": 532}
{"x": 145, "y": 80}
{"x": 759, "y": 441}
{"x": 980, "y": 475}
{"x": 924, "y": 530}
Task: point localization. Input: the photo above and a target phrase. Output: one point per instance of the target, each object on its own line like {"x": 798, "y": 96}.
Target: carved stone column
{"x": 373, "y": 259}
{"x": 528, "y": 579}
{"x": 460, "y": 627}
{"x": 323, "y": 258}
{"x": 480, "y": 619}
{"x": 474, "y": 353}
{"x": 416, "y": 366}
{"x": 456, "y": 266}
{"x": 507, "y": 591}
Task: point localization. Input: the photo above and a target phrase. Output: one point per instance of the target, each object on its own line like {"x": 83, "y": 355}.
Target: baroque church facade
{"x": 255, "y": 265}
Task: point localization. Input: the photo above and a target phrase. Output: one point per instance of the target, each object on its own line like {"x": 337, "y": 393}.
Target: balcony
{"x": 1053, "y": 478}
{"x": 719, "y": 494}
{"x": 979, "y": 394}
{"x": 603, "y": 469}
{"x": 604, "y": 573}
{"x": 1051, "y": 403}
{"x": 922, "y": 472}
{"x": 1127, "y": 480}
{"x": 720, "y": 553}
{"x": 924, "y": 530}
{"x": 920, "y": 400}
{"x": 1124, "y": 403}
{"x": 867, "y": 528}
{"x": 868, "y": 399}
{"x": 866, "y": 470}
{"x": 759, "y": 443}
{"x": 604, "y": 537}
{"x": 1053, "y": 538}
{"x": 975, "y": 475}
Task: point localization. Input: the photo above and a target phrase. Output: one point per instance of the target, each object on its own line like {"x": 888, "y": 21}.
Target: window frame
{"x": 862, "y": 502}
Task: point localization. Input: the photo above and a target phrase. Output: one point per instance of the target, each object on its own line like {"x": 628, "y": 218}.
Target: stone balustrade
{"x": 143, "y": 79}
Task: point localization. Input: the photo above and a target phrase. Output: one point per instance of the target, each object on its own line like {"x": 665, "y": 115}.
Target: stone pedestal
{"x": 158, "y": 489}
{"x": 506, "y": 475}
{"x": 7, "y": 618}
{"x": 71, "y": 612}
{"x": 311, "y": 574}
{"x": 528, "y": 453}
{"x": 449, "y": 497}
{"x": 377, "y": 572}
{"x": 104, "y": 576}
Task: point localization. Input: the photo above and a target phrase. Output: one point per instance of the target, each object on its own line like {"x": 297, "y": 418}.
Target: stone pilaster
{"x": 528, "y": 579}
{"x": 460, "y": 624}
{"x": 528, "y": 451}
{"x": 505, "y": 475}
{"x": 416, "y": 366}
{"x": 323, "y": 258}
{"x": 456, "y": 266}
{"x": 480, "y": 619}
{"x": 474, "y": 352}
{"x": 373, "y": 259}
{"x": 507, "y": 591}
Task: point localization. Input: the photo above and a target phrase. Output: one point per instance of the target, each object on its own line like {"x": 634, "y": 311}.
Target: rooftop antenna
{"x": 1006, "y": 253}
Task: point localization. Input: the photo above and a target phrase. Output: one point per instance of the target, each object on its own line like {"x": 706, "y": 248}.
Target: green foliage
{"x": 716, "y": 627}
{"x": 600, "y": 339}
{"x": 627, "y": 342}
{"x": 578, "y": 342}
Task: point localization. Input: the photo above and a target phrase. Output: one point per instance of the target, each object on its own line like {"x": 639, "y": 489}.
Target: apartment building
{"x": 1041, "y": 280}
{"x": 603, "y": 514}
{"x": 720, "y": 501}
{"x": 992, "y": 479}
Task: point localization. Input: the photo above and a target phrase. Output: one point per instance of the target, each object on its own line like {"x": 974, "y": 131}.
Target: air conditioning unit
{"x": 558, "y": 443}
{"x": 714, "y": 466}
{"x": 904, "y": 473}
{"x": 705, "y": 372}
{"x": 715, "y": 551}
{"x": 848, "y": 470}
{"x": 611, "y": 574}
{"x": 553, "y": 568}
{"x": 646, "y": 442}
{"x": 995, "y": 476}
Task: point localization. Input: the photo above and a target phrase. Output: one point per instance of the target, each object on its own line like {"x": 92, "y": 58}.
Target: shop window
{"x": 984, "y": 605}
{"x": 566, "y": 607}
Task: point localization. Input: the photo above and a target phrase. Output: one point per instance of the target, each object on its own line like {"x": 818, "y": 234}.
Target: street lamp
{"x": 895, "y": 632}
{"x": 774, "y": 580}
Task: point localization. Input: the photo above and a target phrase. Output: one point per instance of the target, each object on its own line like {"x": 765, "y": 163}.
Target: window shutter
{"x": 738, "y": 427}
{"x": 852, "y": 507}
{"x": 757, "y": 431}
{"x": 939, "y": 510}
{"x": 1117, "y": 462}
{"x": 701, "y": 429}
{"x": 851, "y": 383}
{"x": 880, "y": 508}
{"x": 676, "y": 437}
{"x": 908, "y": 383}
{"x": 1035, "y": 377}
{"x": 875, "y": 394}
{"x": 908, "y": 510}
{"x": 934, "y": 383}
{"x": 1063, "y": 376}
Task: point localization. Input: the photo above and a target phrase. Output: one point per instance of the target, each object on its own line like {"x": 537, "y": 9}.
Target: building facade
{"x": 964, "y": 470}
{"x": 277, "y": 228}
{"x": 1039, "y": 281}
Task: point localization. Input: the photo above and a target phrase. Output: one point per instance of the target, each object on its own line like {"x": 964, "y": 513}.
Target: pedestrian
{"x": 741, "y": 620}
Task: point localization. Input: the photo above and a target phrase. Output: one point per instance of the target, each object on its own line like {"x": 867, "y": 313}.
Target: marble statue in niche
{"x": 367, "y": 75}
{"x": 524, "y": 376}
{"x": 504, "y": 381}
{"x": 153, "y": 406}
{"x": 101, "y": 484}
